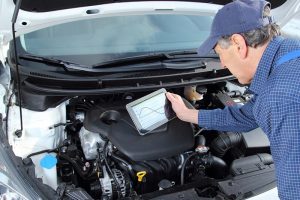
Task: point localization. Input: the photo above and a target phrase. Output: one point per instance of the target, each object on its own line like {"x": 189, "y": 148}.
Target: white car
{"x": 69, "y": 68}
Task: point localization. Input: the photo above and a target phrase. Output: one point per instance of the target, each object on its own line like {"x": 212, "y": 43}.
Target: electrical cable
{"x": 183, "y": 167}
{"x": 45, "y": 151}
{"x": 196, "y": 134}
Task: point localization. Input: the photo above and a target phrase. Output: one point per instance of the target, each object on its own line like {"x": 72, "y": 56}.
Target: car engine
{"x": 100, "y": 154}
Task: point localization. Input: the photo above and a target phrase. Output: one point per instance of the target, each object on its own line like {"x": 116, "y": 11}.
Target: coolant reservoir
{"x": 39, "y": 133}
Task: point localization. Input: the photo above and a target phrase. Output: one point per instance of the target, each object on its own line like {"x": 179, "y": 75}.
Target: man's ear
{"x": 240, "y": 45}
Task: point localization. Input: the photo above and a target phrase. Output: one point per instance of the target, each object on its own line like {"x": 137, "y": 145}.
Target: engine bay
{"x": 98, "y": 153}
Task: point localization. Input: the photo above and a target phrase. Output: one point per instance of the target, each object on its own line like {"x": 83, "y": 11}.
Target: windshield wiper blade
{"x": 66, "y": 64}
{"x": 69, "y": 65}
{"x": 145, "y": 62}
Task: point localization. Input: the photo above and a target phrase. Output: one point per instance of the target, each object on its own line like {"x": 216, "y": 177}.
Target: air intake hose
{"x": 224, "y": 142}
{"x": 216, "y": 165}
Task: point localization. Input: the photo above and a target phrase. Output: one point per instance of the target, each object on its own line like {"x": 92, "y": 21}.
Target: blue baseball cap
{"x": 236, "y": 17}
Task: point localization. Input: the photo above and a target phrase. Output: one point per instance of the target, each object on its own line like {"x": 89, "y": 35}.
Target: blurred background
{"x": 292, "y": 28}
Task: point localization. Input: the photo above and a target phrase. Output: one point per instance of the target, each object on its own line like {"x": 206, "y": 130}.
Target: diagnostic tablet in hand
{"x": 151, "y": 111}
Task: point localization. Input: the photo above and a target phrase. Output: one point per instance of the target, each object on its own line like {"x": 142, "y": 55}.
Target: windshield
{"x": 103, "y": 39}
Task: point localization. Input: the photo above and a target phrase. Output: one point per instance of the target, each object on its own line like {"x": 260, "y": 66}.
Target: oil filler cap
{"x": 48, "y": 161}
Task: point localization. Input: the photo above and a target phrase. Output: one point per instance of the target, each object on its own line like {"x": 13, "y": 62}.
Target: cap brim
{"x": 207, "y": 45}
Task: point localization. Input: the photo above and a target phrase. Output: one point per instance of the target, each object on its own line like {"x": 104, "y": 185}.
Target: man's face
{"x": 230, "y": 58}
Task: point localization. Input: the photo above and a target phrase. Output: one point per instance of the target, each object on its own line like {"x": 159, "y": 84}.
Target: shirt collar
{"x": 265, "y": 65}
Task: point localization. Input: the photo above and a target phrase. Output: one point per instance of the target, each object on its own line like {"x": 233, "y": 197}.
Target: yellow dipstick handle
{"x": 141, "y": 175}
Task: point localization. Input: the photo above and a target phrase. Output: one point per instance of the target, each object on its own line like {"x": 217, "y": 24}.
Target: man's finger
{"x": 170, "y": 96}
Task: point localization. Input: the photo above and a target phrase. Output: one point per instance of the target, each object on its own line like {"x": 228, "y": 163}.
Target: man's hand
{"x": 182, "y": 112}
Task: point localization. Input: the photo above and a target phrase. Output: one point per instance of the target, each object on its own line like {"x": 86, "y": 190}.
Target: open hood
{"x": 36, "y": 14}
{"x": 65, "y": 83}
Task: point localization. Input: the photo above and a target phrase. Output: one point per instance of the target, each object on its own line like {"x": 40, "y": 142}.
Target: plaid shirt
{"x": 275, "y": 108}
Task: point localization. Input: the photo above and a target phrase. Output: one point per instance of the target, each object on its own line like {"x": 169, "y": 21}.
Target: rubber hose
{"x": 219, "y": 166}
{"x": 224, "y": 142}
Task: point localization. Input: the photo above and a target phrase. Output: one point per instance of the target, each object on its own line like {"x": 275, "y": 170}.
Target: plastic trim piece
{"x": 138, "y": 87}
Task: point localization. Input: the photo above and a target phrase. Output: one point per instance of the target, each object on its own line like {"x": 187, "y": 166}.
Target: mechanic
{"x": 249, "y": 44}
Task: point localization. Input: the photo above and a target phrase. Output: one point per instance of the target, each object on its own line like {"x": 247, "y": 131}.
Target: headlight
{"x": 10, "y": 188}
{"x": 7, "y": 189}
{"x": 15, "y": 184}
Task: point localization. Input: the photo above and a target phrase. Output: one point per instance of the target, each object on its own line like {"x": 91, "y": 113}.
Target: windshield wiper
{"x": 58, "y": 62}
{"x": 179, "y": 59}
{"x": 73, "y": 66}
{"x": 182, "y": 60}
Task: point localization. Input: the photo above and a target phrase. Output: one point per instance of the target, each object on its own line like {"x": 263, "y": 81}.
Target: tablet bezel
{"x": 135, "y": 119}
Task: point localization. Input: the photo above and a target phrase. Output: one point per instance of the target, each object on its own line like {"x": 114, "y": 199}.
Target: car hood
{"x": 36, "y": 14}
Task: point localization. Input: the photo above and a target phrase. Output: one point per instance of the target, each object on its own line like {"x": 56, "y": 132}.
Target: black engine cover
{"x": 168, "y": 140}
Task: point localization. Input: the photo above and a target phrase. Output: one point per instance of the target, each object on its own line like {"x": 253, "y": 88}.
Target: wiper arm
{"x": 132, "y": 60}
{"x": 189, "y": 53}
{"x": 191, "y": 64}
{"x": 152, "y": 57}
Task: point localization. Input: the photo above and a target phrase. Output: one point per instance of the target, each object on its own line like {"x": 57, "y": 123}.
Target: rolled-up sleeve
{"x": 231, "y": 118}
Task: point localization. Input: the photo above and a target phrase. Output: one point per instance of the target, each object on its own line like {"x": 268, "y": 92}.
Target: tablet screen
{"x": 150, "y": 111}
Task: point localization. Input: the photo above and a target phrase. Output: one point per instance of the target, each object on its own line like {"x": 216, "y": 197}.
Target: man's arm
{"x": 231, "y": 118}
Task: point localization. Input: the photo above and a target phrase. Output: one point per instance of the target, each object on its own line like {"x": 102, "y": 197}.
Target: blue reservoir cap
{"x": 48, "y": 161}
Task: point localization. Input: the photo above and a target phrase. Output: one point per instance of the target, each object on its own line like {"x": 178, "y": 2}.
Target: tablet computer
{"x": 151, "y": 111}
